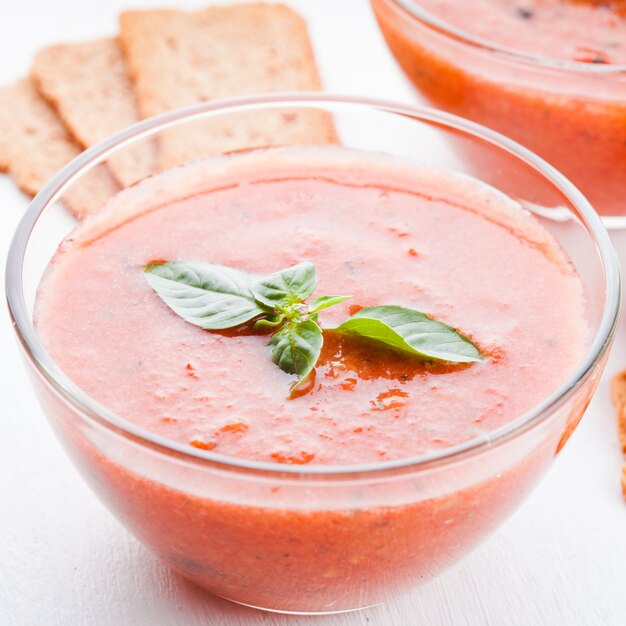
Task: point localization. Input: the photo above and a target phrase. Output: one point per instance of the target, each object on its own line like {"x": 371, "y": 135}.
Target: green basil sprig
{"x": 413, "y": 332}
{"x": 215, "y": 297}
{"x": 212, "y": 297}
{"x": 296, "y": 348}
{"x": 286, "y": 287}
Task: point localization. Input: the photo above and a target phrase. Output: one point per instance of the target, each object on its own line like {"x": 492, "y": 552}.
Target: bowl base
{"x": 284, "y": 612}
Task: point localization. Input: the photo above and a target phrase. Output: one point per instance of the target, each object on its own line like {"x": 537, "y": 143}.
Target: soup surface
{"x": 381, "y": 230}
{"x": 585, "y": 30}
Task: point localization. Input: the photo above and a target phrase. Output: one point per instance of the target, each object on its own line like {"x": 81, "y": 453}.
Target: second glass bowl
{"x": 573, "y": 114}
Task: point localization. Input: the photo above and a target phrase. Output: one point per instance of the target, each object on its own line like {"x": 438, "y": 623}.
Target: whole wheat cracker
{"x": 618, "y": 396}
{"x": 34, "y": 145}
{"x": 89, "y": 86}
{"x": 177, "y": 58}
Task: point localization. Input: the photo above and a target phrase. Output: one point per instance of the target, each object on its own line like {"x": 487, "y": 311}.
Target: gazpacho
{"x": 382, "y": 231}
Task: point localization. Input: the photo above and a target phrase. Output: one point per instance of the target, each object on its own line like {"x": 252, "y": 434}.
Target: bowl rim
{"x": 80, "y": 401}
{"x": 419, "y": 14}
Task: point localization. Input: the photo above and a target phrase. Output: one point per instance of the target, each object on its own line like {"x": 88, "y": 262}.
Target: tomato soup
{"x": 560, "y": 89}
{"x": 385, "y": 232}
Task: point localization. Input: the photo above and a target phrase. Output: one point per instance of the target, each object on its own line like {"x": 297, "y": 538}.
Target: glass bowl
{"x": 317, "y": 539}
{"x": 571, "y": 113}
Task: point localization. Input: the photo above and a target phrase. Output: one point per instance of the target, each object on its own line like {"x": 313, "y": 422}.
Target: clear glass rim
{"x": 420, "y": 14}
{"x": 93, "y": 410}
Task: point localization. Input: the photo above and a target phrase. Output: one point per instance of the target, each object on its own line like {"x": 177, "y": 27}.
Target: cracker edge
{"x": 618, "y": 396}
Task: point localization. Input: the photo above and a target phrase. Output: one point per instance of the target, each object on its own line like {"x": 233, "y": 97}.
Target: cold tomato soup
{"x": 384, "y": 231}
{"x": 549, "y": 73}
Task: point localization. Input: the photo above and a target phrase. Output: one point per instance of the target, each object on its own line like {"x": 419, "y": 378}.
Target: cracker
{"x": 618, "y": 395}
{"x": 178, "y": 58}
{"x": 88, "y": 85}
{"x": 34, "y": 145}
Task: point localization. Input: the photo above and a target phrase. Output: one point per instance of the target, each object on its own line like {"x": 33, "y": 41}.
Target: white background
{"x": 560, "y": 560}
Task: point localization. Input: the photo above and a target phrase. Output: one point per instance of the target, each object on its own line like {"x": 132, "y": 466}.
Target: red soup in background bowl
{"x": 388, "y": 469}
{"x": 550, "y": 74}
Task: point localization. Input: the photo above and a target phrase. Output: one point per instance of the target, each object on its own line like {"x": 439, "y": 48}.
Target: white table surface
{"x": 64, "y": 560}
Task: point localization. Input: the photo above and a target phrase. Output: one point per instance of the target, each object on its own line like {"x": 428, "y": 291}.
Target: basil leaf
{"x": 412, "y": 332}
{"x": 212, "y": 297}
{"x": 323, "y": 302}
{"x": 271, "y": 321}
{"x": 296, "y": 348}
{"x": 286, "y": 287}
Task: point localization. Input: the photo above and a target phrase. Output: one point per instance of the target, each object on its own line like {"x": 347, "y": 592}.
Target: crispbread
{"x": 89, "y": 86}
{"x": 177, "y": 58}
{"x": 34, "y": 145}
{"x": 618, "y": 395}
